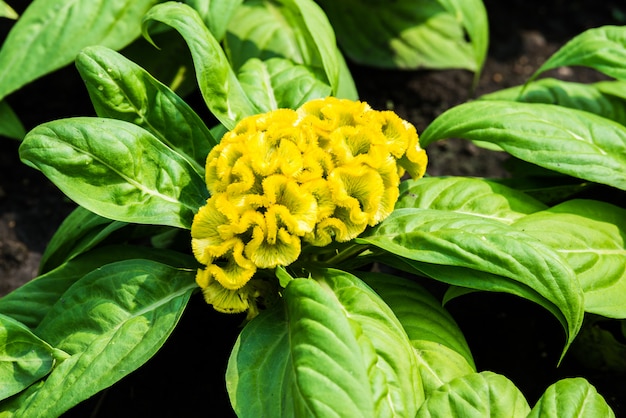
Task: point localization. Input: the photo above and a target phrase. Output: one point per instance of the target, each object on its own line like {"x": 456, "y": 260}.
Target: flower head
{"x": 289, "y": 178}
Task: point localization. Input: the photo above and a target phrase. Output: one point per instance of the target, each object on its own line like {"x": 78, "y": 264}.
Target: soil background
{"x": 507, "y": 335}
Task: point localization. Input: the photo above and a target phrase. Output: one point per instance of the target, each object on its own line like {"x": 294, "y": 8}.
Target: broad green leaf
{"x": 477, "y": 395}
{"x": 421, "y": 315}
{"x": 216, "y": 14}
{"x": 110, "y": 322}
{"x": 10, "y": 124}
{"x": 220, "y": 88}
{"x": 603, "y": 49}
{"x": 116, "y": 170}
{"x": 568, "y": 141}
{"x": 297, "y": 30}
{"x": 571, "y": 398}
{"x": 278, "y": 83}
{"x": 49, "y": 34}
{"x": 591, "y": 98}
{"x": 467, "y": 195}
{"x": 441, "y": 350}
{"x": 616, "y": 88}
{"x": 7, "y": 11}
{"x": 470, "y": 242}
{"x": 30, "y": 302}
{"x": 24, "y": 357}
{"x": 410, "y": 34}
{"x": 334, "y": 348}
{"x": 590, "y": 236}
{"x": 80, "y": 231}
{"x": 120, "y": 89}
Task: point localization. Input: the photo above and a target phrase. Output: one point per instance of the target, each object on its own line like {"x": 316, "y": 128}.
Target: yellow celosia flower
{"x": 288, "y": 178}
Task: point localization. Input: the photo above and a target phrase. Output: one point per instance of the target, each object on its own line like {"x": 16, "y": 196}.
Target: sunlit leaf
{"x": 467, "y": 195}
{"x": 116, "y": 170}
{"x": 49, "y": 34}
{"x": 216, "y": 14}
{"x": 568, "y": 141}
{"x": 120, "y": 89}
{"x": 469, "y": 242}
{"x": 110, "y": 322}
{"x": 219, "y": 86}
{"x": 571, "y": 398}
{"x": 7, "y": 11}
{"x": 590, "y": 236}
{"x": 476, "y": 395}
{"x": 603, "y": 49}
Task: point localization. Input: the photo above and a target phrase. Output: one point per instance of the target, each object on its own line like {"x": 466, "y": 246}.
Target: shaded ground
{"x": 186, "y": 376}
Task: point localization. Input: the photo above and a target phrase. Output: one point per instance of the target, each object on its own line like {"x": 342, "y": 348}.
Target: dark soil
{"x": 507, "y": 335}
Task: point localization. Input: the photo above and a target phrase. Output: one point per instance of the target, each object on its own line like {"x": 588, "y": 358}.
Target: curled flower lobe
{"x": 288, "y": 178}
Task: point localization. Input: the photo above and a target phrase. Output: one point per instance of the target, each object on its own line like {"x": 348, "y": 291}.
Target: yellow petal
{"x": 283, "y": 251}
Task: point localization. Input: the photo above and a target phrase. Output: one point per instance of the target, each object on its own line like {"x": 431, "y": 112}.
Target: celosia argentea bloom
{"x": 288, "y": 178}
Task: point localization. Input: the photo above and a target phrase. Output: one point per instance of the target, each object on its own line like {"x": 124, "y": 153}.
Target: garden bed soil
{"x": 506, "y": 334}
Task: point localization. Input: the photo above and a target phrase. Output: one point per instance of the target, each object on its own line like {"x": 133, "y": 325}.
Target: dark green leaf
{"x": 120, "y": 89}
{"x": 219, "y": 86}
{"x": 116, "y": 170}
{"x": 565, "y": 140}
{"x": 110, "y": 322}
{"x": 571, "y": 398}
{"x": 49, "y": 34}
{"x": 24, "y": 357}
{"x": 10, "y": 124}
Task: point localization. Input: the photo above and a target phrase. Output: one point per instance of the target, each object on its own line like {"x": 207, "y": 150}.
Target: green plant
{"x": 333, "y": 334}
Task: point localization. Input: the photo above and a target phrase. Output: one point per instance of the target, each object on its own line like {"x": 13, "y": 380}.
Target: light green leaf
{"x": 110, "y": 322}
{"x": 219, "y": 86}
{"x": 603, "y": 49}
{"x": 7, "y": 11}
{"x": 49, "y": 34}
{"x": 10, "y": 124}
{"x": 80, "y": 231}
{"x": 568, "y": 141}
{"x": 334, "y": 348}
{"x": 410, "y": 34}
{"x": 120, "y": 89}
{"x": 116, "y": 170}
{"x": 571, "y": 398}
{"x": 477, "y": 395}
{"x": 467, "y": 195}
{"x": 24, "y": 357}
{"x": 456, "y": 240}
{"x": 589, "y": 235}
{"x": 591, "y": 98}
{"x": 32, "y": 301}
{"x": 278, "y": 84}
{"x": 216, "y": 14}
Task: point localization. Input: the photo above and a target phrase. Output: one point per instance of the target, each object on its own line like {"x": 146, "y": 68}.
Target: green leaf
{"x": 110, "y": 322}
{"x": 24, "y": 357}
{"x": 409, "y": 34}
{"x": 278, "y": 83}
{"x": 120, "y": 89}
{"x": 32, "y": 301}
{"x": 441, "y": 350}
{"x": 220, "y": 88}
{"x": 297, "y": 30}
{"x": 10, "y": 124}
{"x": 467, "y": 195}
{"x": 49, "y": 34}
{"x": 510, "y": 257}
{"x": 589, "y": 235}
{"x": 7, "y": 11}
{"x": 216, "y": 14}
{"x": 594, "y": 98}
{"x": 116, "y": 170}
{"x": 571, "y": 398}
{"x": 603, "y": 49}
{"x": 80, "y": 231}
{"x": 335, "y": 347}
{"x": 477, "y": 395}
{"x": 568, "y": 141}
